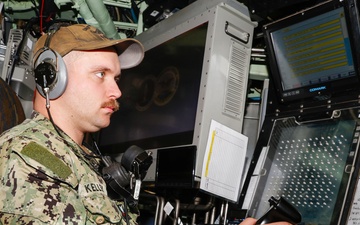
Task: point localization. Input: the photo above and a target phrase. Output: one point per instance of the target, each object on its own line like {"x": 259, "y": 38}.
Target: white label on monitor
{"x": 224, "y": 162}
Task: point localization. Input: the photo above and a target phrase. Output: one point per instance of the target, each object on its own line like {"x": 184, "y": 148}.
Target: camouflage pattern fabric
{"x": 46, "y": 179}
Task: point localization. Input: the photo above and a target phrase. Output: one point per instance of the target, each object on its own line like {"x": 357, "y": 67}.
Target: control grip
{"x": 280, "y": 210}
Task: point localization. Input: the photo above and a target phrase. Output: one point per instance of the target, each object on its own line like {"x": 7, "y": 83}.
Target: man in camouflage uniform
{"x": 47, "y": 176}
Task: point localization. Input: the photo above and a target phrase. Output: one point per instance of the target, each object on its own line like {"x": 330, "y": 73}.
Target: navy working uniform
{"x": 55, "y": 171}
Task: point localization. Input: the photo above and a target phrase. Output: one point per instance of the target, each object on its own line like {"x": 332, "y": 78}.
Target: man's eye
{"x": 100, "y": 74}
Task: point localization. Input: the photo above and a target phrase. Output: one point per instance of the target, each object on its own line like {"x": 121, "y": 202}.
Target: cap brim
{"x": 132, "y": 55}
{"x": 130, "y": 50}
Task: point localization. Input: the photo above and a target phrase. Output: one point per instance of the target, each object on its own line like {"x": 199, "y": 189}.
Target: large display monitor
{"x": 313, "y": 165}
{"x": 195, "y": 70}
{"x": 312, "y": 54}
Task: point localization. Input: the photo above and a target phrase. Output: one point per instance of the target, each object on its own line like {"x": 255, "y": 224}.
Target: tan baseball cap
{"x": 86, "y": 37}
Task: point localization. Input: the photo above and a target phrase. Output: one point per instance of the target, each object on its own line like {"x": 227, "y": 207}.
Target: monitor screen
{"x": 175, "y": 167}
{"x": 309, "y": 165}
{"x": 159, "y": 98}
{"x": 311, "y": 53}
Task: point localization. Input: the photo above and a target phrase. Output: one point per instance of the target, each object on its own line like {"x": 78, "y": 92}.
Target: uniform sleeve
{"x": 46, "y": 183}
{"x": 31, "y": 195}
{"x": 12, "y": 219}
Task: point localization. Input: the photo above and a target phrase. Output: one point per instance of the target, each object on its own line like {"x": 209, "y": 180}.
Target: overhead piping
{"x": 95, "y": 13}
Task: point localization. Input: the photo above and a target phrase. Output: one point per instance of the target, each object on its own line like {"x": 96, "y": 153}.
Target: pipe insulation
{"x": 95, "y": 13}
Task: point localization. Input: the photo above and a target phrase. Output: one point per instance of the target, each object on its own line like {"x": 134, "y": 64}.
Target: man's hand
{"x": 252, "y": 221}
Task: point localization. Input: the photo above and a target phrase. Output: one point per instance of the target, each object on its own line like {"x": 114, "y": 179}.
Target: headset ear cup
{"x": 50, "y": 71}
{"x": 118, "y": 173}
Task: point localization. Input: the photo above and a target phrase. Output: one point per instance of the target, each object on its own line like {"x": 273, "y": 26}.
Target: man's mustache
{"x": 112, "y": 104}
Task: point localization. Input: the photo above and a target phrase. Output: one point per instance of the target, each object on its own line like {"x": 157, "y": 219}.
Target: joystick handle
{"x": 280, "y": 210}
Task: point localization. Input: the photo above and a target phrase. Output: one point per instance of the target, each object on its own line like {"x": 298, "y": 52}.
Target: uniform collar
{"x": 91, "y": 158}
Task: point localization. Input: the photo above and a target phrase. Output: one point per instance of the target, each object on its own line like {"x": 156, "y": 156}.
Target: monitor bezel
{"x": 326, "y": 90}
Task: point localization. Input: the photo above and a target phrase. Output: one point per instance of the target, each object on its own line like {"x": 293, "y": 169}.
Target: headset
{"x": 50, "y": 70}
{"x": 117, "y": 175}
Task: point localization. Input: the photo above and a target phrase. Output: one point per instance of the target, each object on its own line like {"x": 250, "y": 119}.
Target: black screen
{"x": 159, "y": 99}
{"x": 175, "y": 167}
